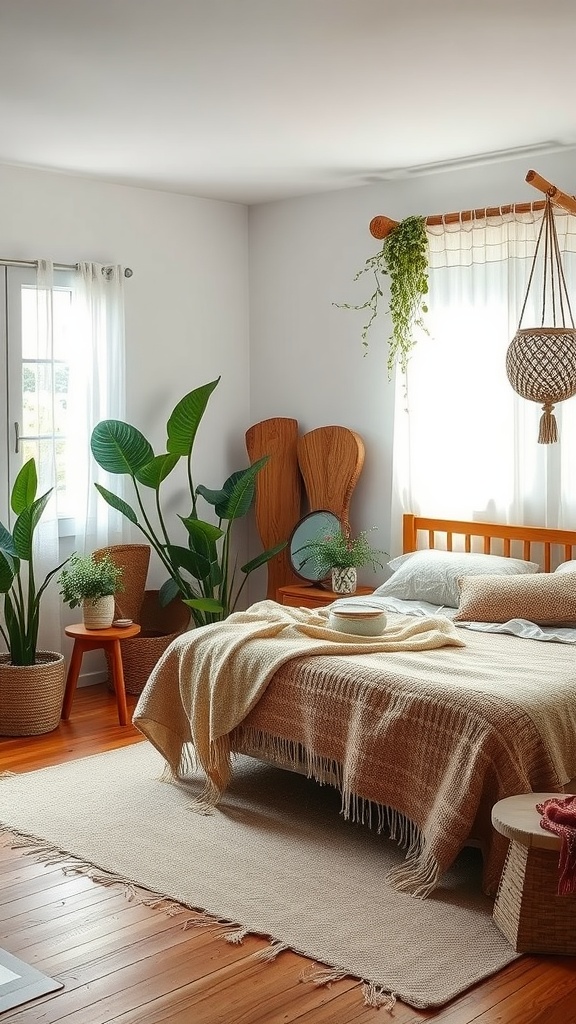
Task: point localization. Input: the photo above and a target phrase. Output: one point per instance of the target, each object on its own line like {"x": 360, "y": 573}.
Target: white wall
{"x": 186, "y": 305}
{"x": 306, "y": 356}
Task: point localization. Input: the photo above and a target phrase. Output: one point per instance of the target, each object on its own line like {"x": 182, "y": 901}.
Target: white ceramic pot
{"x": 99, "y": 614}
{"x": 344, "y": 580}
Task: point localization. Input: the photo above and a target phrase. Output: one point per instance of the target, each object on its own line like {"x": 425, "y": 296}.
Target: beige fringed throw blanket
{"x": 420, "y": 734}
{"x": 221, "y": 671}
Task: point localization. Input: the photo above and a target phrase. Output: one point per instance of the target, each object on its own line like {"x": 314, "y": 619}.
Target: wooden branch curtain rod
{"x": 380, "y": 226}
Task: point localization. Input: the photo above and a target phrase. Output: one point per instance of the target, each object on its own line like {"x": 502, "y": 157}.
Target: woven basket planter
{"x": 541, "y": 361}
{"x": 140, "y": 654}
{"x": 541, "y": 366}
{"x": 31, "y": 696}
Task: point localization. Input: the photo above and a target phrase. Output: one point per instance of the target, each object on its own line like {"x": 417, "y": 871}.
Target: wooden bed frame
{"x": 553, "y": 546}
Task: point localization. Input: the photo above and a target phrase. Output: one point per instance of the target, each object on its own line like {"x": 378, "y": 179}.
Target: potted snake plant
{"x": 31, "y": 681}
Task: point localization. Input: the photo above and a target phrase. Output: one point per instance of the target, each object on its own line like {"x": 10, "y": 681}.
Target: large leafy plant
{"x": 203, "y": 573}
{"x": 22, "y": 596}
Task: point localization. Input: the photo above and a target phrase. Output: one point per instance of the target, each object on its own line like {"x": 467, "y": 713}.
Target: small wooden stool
{"x": 91, "y": 640}
{"x": 528, "y": 910}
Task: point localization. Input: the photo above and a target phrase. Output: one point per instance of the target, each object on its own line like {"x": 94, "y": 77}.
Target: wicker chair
{"x": 159, "y": 626}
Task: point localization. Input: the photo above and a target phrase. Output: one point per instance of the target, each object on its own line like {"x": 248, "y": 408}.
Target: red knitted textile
{"x": 559, "y": 816}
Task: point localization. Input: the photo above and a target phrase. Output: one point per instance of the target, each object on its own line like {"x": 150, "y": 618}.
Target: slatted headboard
{"x": 532, "y": 543}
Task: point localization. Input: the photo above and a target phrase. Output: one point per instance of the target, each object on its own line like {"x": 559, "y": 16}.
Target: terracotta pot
{"x": 98, "y": 614}
{"x": 31, "y": 696}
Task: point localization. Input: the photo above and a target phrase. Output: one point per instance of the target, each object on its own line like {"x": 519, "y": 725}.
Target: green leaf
{"x": 237, "y": 494}
{"x": 262, "y": 558}
{"x": 119, "y": 447}
{"x": 212, "y": 497}
{"x": 168, "y": 591}
{"x": 154, "y": 472}
{"x": 26, "y": 524}
{"x": 186, "y": 417}
{"x": 205, "y": 604}
{"x": 197, "y": 526}
{"x": 193, "y": 562}
{"x": 25, "y": 487}
{"x": 118, "y": 503}
{"x": 7, "y": 546}
{"x": 8, "y": 569}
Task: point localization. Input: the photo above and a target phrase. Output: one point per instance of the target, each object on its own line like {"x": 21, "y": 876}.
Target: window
{"x": 61, "y": 372}
{"x": 39, "y": 332}
{"x": 465, "y": 444}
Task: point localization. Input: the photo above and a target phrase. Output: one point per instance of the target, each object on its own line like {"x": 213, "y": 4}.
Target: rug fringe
{"x": 52, "y": 856}
{"x": 322, "y": 975}
{"x": 270, "y": 952}
{"x": 377, "y": 996}
{"x": 236, "y": 935}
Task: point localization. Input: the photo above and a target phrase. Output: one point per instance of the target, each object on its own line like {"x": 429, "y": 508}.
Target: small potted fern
{"x": 91, "y": 582}
{"x": 335, "y": 554}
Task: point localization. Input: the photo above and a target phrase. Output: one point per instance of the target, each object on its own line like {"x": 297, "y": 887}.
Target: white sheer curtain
{"x": 46, "y": 538}
{"x": 465, "y": 445}
{"x": 96, "y": 390}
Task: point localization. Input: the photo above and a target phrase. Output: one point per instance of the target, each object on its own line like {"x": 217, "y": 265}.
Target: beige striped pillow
{"x": 545, "y": 598}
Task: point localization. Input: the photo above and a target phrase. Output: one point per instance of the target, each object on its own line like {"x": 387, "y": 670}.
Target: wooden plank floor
{"x": 125, "y": 962}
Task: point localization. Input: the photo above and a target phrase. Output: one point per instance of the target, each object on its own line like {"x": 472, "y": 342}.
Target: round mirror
{"x": 311, "y": 528}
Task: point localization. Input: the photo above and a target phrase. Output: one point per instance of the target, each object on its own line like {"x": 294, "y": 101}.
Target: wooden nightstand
{"x": 307, "y": 596}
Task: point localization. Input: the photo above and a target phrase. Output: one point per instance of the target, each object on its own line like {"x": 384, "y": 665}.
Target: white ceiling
{"x": 254, "y": 100}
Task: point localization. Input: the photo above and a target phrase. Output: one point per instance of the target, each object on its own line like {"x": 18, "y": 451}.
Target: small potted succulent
{"x": 91, "y": 582}
{"x": 336, "y": 553}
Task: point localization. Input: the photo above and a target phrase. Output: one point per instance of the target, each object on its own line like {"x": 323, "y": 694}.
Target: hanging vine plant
{"x": 404, "y": 259}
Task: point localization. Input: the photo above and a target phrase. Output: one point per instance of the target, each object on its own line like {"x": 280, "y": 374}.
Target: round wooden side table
{"x": 92, "y": 640}
{"x": 528, "y": 909}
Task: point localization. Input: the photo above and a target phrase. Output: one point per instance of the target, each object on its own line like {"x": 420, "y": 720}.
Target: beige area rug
{"x": 275, "y": 857}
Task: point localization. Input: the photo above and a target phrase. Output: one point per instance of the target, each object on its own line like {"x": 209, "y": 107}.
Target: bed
{"x": 422, "y": 737}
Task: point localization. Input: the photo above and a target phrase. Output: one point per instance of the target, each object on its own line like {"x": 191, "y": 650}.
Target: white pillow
{"x": 432, "y": 575}
{"x": 567, "y": 566}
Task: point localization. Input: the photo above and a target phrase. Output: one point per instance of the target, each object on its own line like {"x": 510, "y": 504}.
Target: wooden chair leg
{"x": 118, "y": 680}
{"x": 72, "y": 678}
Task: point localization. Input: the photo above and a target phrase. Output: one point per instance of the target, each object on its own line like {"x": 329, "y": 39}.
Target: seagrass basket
{"x": 31, "y": 696}
{"x": 528, "y": 910}
{"x": 159, "y": 627}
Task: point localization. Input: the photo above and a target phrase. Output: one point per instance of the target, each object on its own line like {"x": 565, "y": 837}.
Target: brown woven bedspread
{"x": 430, "y": 740}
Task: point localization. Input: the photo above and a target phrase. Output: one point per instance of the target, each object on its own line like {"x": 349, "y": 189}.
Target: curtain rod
{"x": 380, "y": 227}
{"x": 128, "y": 272}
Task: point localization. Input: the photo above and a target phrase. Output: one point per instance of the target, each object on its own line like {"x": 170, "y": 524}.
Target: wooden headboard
{"x": 532, "y": 543}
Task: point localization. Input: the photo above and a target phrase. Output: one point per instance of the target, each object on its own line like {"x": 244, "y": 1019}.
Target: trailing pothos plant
{"x": 203, "y": 573}
{"x": 404, "y": 259}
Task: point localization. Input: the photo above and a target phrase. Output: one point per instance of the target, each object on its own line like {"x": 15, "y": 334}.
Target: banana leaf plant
{"x": 22, "y": 595}
{"x": 203, "y": 573}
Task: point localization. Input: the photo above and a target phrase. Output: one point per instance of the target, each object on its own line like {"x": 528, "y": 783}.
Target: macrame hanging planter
{"x": 541, "y": 361}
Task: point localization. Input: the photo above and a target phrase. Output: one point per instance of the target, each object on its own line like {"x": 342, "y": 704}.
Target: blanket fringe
{"x": 419, "y": 874}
